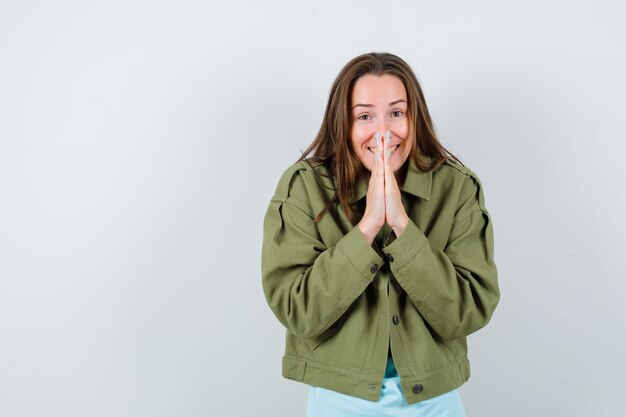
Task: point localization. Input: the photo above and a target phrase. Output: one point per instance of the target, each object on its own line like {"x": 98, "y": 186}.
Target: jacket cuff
{"x": 406, "y": 246}
{"x": 360, "y": 253}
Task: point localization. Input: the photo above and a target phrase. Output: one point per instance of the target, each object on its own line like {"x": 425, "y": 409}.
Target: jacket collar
{"x": 417, "y": 183}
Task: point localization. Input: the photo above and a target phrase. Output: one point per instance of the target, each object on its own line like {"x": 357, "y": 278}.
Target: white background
{"x": 141, "y": 141}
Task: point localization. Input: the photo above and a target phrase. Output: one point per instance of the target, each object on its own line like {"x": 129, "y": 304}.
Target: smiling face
{"x": 379, "y": 104}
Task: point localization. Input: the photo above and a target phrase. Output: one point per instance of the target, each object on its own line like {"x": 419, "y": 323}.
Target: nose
{"x": 382, "y": 127}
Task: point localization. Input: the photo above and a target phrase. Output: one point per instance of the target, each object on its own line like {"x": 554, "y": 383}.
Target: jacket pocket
{"x": 369, "y": 354}
{"x": 315, "y": 342}
{"x": 457, "y": 347}
{"x": 447, "y": 346}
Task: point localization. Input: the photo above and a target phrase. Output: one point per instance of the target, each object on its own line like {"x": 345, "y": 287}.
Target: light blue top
{"x": 326, "y": 403}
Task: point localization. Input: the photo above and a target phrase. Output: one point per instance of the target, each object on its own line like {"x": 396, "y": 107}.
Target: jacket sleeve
{"x": 307, "y": 285}
{"x": 455, "y": 288}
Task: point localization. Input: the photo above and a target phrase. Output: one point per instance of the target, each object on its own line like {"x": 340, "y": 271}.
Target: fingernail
{"x": 377, "y": 156}
{"x": 388, "y": 136}
{"x": 377, "y": 137}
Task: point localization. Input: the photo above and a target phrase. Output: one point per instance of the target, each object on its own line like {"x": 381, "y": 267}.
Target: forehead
{"x": 378, "y": 89}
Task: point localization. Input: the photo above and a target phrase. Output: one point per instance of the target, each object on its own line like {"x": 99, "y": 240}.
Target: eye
{"x": 397, "y": 113}
{"x": 363, "y": 117}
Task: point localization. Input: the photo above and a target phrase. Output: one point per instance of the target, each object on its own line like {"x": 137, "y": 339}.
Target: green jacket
{"x": 344, "y": 302}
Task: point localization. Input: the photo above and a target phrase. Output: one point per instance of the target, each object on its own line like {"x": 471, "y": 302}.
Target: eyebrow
{"x": 371, "y": 105}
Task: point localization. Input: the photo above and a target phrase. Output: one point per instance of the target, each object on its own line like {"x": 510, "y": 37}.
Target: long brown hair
{"x": 332, "y": 146}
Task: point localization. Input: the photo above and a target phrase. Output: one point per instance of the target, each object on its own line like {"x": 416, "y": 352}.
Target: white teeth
{"x": 392, "y": 149}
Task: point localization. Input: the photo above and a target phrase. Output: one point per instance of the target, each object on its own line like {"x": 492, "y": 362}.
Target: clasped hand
{"x": 383, "y": 200}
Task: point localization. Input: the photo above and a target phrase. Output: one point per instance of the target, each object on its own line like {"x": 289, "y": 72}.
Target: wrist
{"x": 368, "y": 231}
{"x": 401, "y": 227}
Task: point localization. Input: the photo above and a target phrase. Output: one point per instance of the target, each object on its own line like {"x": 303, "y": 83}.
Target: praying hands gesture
{"x": 383, "y": 200}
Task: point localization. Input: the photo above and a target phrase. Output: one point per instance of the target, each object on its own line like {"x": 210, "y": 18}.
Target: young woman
{"x": 378, "y": 254}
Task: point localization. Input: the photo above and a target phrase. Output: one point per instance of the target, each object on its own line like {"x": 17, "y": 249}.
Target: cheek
{"x": 403, "y": 129}
{"x": 359, "y": 135}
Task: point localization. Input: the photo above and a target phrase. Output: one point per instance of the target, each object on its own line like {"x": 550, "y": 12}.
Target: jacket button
{"x": 417, "y": 388}
{"x": 374, "y": 268}
{"x": 390, "y": 257}
{"x": 395, "y": 319}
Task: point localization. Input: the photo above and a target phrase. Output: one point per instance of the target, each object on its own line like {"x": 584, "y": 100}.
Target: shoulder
{"x": 471, "y": 188}
{"x": 293, "y": 180}
{"x": 297, "y": 182}
{"x": 457, "y": 170}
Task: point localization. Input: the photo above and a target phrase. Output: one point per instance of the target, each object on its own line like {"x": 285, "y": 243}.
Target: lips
{"x": 393, "y": 148}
